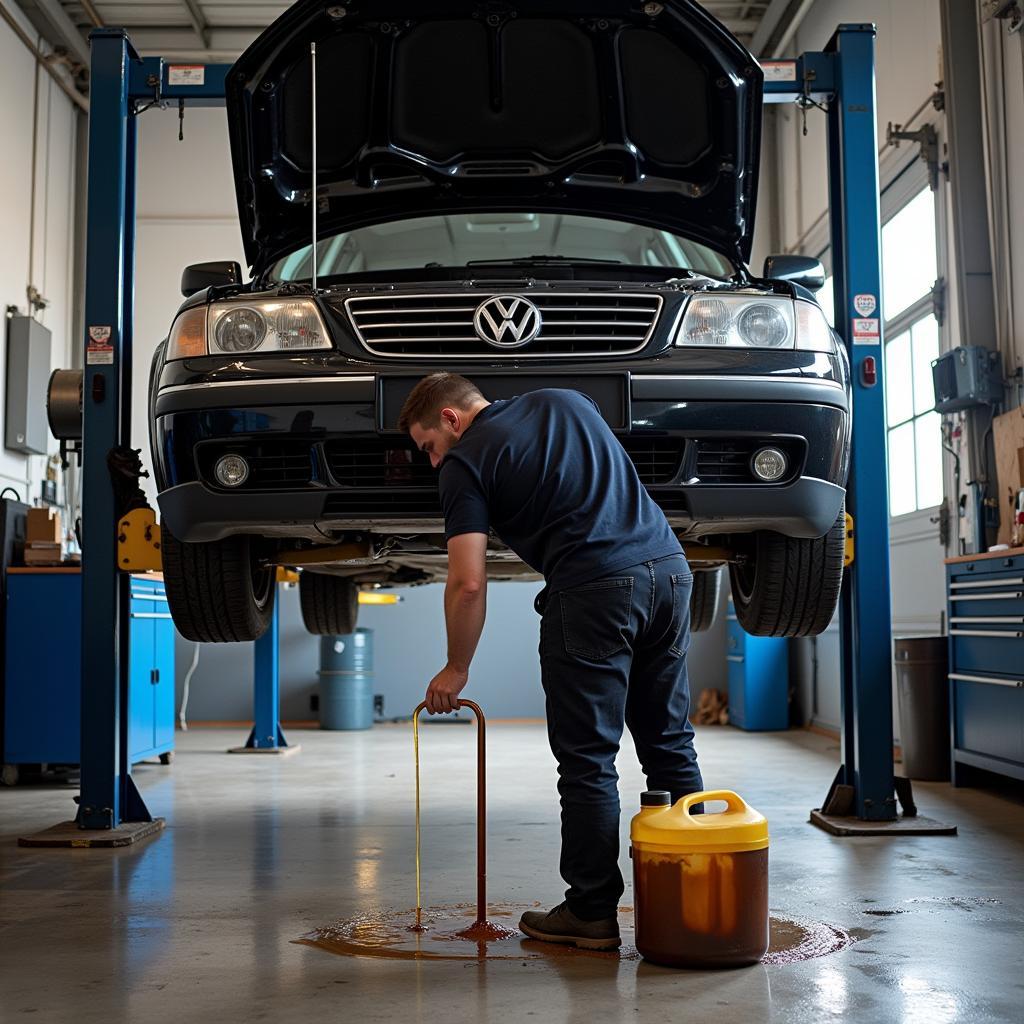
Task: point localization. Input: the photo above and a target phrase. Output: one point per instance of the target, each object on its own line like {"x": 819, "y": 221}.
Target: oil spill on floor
{"x": 453, "y": 933}
{"x": 448, "y": 933}
{"x": 792, "y": 940}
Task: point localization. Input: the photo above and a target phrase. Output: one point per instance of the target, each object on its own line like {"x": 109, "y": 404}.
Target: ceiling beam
{"x": 769, "y": 29}
{"x": 199, "y": 22}
{"x": 91, "y": 13}
{"x": 54, "y": 25}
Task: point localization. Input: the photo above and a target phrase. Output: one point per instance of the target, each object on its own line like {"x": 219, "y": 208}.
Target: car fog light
{"x": 231, "y": 471}
{"x": 769, "y": 464}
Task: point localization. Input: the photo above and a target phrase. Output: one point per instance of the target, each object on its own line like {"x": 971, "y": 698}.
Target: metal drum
{"x": 346, "y": 680}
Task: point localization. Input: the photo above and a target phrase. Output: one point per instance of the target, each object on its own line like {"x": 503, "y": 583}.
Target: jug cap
{"x": 674, "y": 829}
{"x": 655, "y": 798}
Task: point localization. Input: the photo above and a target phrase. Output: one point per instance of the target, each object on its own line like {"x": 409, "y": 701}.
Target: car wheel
{"x": 704, "y": 599}
{"x": 330, "y": 604}
{"x": 217, "y": 591}
{"x": 789, "y": 586}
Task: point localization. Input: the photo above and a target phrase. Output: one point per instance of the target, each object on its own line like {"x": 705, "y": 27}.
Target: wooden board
{"x": 1008, "y": 438}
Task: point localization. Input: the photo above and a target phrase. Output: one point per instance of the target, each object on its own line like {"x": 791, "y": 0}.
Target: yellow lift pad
{"x": 138, "y": 542}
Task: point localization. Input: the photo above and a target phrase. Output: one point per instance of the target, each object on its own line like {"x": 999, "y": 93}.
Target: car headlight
{"x": 745, "y": 321}
{"x": 239, "y": 327}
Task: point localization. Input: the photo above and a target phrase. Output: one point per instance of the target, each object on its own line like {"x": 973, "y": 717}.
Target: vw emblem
{"x": 507, "y": 321}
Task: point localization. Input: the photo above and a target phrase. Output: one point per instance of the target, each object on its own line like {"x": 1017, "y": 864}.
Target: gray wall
{"x": 409, "y": 647}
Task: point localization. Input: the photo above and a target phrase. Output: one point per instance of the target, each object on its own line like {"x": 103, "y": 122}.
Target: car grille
{"x": 728, "y": 461}
{"x": 378, "y": 463}
{"x": 657, "y": 459}
{"x": 573, "y": 323}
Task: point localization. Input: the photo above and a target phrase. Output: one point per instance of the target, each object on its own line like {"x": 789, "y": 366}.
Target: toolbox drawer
{"x": 986, "y": 650}
{"x": 989, "y": 718}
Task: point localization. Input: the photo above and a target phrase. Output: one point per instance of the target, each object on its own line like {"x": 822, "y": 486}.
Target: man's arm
{"x": 465, "y": 606}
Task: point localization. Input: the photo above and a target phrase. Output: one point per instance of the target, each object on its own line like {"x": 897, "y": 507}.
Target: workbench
{"x": 985, "y": 601}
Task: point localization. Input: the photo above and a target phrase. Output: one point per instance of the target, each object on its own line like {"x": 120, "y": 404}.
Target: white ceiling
{"x": 220, "y": 30}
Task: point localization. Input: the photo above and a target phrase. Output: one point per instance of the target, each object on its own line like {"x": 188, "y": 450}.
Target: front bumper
{"x": 808, "y": 417}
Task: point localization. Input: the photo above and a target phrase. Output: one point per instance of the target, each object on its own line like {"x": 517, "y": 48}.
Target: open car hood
{"x": 646, "y": 112}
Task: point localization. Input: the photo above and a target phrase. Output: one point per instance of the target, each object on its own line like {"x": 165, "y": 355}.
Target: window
{"x": 915, "y": 439}
{"x": 914, "y": 434}
{"x": 908, "y": 255}
{"x": 459, "y": 239}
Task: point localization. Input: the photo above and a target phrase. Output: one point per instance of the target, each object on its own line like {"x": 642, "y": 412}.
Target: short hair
{"x": 434, "y": 393}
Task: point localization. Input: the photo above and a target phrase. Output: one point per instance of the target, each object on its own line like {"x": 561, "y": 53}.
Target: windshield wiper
{"x": 522, "y": 261}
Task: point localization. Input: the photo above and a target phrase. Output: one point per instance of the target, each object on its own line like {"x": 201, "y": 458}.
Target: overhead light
{"x": 374, "y": 597}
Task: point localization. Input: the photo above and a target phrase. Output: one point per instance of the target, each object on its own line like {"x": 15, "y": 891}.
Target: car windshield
{"x": 464, "y": 239}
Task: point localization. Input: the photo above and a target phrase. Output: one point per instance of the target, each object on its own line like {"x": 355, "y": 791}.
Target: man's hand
{"x": 444, "y": 689}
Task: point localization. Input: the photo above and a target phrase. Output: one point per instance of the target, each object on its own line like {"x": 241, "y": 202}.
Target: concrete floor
{"x": 197, "y": 925}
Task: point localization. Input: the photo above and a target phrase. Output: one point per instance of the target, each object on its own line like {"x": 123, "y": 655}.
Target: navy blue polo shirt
{"x": 546, "y": 473}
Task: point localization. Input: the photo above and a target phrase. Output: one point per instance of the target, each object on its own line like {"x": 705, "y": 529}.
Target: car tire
{"x": 217, "y": 591}
{"x": 704, "y": 599}
{"x": 330, "y": 604}
{"x": 789, "y": 586}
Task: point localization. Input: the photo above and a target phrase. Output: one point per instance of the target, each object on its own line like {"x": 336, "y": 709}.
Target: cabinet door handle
{"x": 1008, "y": 595}
{"x": 1010, "y": 634}
{"x": 982, "y": 620}
{"x": 965, "y": 678}
{"x": 734, "y": 657}
{"x": 151, "y": 615}
{"x": 156, "y": 675}
{"x": 974, "y": 584}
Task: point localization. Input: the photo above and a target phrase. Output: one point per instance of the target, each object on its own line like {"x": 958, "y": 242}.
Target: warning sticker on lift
{"x": 98, "y": 350}
{"x": 186, "y": 74}
{"x": 865, "y": 304}
{"x": 865, "y": 331}
{"x": 779, "y": 70}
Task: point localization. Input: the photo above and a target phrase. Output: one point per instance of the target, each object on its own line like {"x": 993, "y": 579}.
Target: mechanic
{"x": 546, "y": 473}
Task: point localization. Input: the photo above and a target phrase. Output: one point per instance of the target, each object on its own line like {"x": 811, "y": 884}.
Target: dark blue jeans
{"x": 613, "y": 653}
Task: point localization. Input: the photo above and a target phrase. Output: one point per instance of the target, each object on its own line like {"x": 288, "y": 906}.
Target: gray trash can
{"x": 922, "y": 693}
{"x": 346, "y": 680}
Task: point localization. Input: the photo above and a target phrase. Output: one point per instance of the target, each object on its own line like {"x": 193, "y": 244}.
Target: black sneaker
{"x": 562, "y": 925}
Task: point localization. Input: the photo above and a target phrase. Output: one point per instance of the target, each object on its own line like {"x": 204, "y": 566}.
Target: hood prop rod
{"x": 313, "y": 196}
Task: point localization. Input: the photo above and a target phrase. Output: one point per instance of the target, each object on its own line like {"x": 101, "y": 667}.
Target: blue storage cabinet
{"x": 758, "y": 678}
{"x": 985, "y": 598}
{"x": 44, "y": 669}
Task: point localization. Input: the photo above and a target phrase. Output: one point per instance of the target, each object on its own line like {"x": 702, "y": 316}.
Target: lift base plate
{"x": 903, "y": 826}
{"x": 280, "y": 751}
{"x": 68, "y": 834}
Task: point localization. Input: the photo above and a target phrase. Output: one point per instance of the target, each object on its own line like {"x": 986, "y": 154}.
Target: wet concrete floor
{"x": 204, "y": 922}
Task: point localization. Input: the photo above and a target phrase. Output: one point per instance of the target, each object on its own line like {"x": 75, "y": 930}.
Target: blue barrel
{"x": 346, "y": 680}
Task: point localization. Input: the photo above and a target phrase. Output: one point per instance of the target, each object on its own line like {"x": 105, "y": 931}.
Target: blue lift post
{"x": 267, "y": 736}
{"x": 843, "y": 76}
{"x": 863, "y": 794}
{"x": 120, "y": 81}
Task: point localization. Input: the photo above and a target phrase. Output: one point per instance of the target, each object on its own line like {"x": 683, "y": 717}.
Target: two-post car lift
{"x": 843, "y": 77}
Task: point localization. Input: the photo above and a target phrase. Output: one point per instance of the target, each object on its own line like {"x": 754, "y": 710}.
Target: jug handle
{"x": 734, "y": 800}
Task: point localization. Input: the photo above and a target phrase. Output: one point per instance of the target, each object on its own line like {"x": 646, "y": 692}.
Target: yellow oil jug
{"x": 700, "y": 881}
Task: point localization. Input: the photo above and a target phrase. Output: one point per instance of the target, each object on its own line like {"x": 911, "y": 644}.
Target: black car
{"x": 534, "y": 194}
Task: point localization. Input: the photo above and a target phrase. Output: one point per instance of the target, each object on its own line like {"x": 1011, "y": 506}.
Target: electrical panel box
{"x": 28, "y": 376}
{"x": 967, "y": 376}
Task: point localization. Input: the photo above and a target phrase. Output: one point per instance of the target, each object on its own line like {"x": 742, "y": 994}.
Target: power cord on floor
{"x": 185, "y": 688}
